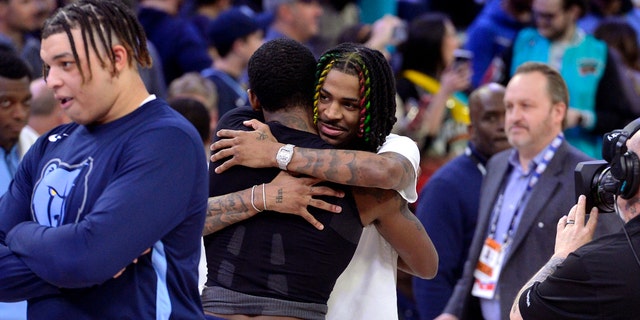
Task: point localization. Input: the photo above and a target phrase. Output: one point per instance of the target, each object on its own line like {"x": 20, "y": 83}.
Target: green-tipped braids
{"x": 108, "y": 21}
{"x": 377, "y": 90}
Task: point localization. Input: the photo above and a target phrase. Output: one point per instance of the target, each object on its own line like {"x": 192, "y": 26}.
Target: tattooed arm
{"x": 285, "y": 194}
{"x": 388, "y": 211}
{"x": 540, "y": 276}
{"x": 258, "y": 149}
{"x": 569, "y": 237}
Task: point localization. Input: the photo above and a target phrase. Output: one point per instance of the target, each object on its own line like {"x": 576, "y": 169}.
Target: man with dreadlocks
{"x": 345, "y": 74}
{"x": 91, "y": 196}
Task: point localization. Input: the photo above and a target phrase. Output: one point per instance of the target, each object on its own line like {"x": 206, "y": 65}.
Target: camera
{"x": 595, "y": 181}
{"x": 617, "y": 175}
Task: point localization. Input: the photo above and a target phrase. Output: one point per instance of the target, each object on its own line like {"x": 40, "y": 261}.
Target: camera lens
{"x": 605, "y": 186}
{"x": 594, "y": 180}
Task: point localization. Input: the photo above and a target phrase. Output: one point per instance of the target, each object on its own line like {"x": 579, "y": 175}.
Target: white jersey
{"x": 367, "y": 287}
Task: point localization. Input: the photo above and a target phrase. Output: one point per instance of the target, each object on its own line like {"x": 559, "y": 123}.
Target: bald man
{"x": 45, "y": 114}
{"x": 451, "y": 221}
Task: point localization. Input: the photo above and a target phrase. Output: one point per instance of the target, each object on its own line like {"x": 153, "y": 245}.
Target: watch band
{"x": 284, "y": 155}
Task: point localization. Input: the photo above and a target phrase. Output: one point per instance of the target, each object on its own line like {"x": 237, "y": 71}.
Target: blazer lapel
{"x": 542, "y": 193}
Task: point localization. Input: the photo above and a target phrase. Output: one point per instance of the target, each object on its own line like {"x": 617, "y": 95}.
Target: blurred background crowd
{"x": 440, "y": 51}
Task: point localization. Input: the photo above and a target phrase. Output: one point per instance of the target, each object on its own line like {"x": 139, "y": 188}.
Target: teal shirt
{"x": 372, "y": 10}
{"x": 582, "y": 66}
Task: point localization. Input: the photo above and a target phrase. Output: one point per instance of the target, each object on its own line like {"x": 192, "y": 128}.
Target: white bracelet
{"x": 252, "y": 204}
{"x": 264, "y": 197}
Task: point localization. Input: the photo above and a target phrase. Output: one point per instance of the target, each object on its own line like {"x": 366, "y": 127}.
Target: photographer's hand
{"x": 572, "y": 232}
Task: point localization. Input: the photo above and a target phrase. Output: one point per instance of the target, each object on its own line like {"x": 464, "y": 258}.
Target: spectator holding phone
{"x": 386, "y": 32}
{"x": 431, "y": 85}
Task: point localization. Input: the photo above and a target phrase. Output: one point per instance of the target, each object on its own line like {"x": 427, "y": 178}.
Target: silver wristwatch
{"x": 284, "y": 155}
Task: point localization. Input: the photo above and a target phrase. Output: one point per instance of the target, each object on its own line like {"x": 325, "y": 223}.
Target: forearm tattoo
{"x": 331, "y": 165}
{"x": 549, "y": 268}
{"x": 355, "y": 168}
{"x": 225, "y": 210}
{"x": 542, "y": 274}
{"x": 389, "y": 200}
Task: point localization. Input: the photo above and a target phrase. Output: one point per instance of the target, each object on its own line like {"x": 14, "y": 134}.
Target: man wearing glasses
{"x": 597, "y": 104}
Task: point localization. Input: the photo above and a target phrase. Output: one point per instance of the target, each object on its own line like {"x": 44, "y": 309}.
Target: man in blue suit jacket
{"x": 526, "y": 190}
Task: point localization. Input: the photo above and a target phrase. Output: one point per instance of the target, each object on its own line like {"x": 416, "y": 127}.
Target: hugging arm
{"x": 285, "y": 194}
{"x": 258, "y": 149}
{"x": 388, "y": 211}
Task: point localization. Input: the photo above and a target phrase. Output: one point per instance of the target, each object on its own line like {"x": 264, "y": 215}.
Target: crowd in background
{"x": 440, "y": 52}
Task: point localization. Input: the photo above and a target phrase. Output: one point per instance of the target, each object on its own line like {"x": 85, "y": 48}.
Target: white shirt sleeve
{"x": 407, "y": 148}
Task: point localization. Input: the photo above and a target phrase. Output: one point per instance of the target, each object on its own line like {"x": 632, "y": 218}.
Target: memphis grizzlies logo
{"x": 58, "y": 182}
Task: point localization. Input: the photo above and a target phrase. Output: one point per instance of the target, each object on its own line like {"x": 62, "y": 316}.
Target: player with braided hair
{"x": 126, "y": 32}
{"x": 350, "y": 76}
{"x": 376, "y": 102}
{"x": 91, "y": 196}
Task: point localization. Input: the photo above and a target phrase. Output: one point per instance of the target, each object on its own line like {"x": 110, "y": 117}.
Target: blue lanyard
{"x": 533, "y": 180}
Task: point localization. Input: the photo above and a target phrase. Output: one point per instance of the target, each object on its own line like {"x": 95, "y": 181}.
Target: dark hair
{"x": 12, "y": 66}
{"x": 422, "y": 51}
{"x": 357, "y": 33}
{"x": 281, "y": 74}
{"x": 583, "y": 5}
{"x": 110, "y": 21}
{"x": 517, "y": 7}
{"x": 198, "y": 3}
{"x": 195, "y": 112}
{"x": 619, "y": 35}
{"x": 377, "y": 89}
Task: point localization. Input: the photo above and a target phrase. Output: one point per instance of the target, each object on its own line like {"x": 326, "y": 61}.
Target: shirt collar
{"x": 515, "y": 162}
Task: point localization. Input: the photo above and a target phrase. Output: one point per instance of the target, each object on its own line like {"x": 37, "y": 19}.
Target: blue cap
{"x": 231, "y": 25}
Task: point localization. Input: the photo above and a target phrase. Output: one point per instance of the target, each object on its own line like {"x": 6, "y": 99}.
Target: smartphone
{"x": 400, "y": 33}
{"x": 461, "y": 57}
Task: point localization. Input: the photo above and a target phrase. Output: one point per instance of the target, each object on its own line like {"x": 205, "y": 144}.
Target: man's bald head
{"x": 486, "y": 106}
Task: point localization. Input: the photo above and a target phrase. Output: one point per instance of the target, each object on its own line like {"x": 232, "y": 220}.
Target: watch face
{"x": 284, "y": 155}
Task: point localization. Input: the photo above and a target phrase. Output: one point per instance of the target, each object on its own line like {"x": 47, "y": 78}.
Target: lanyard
{"x": 469, "y": 153}
{"x": 533, "y": 180}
